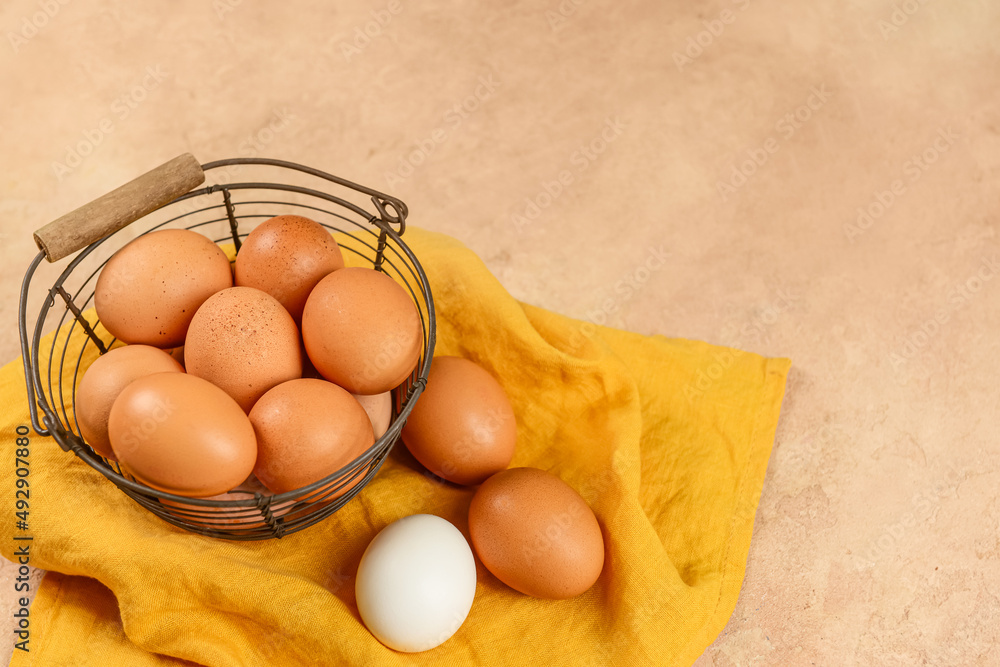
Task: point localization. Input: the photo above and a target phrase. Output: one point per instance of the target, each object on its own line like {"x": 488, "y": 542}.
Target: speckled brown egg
{"x": 105, "y": 379}
{"x": 181, "y": 434}
{"x": 462, "y": 427}
{"x": 362, "y": 331}
{"x": 149, "y": 290}
{"x": 244, "y": 341}
{"x": 536, "y": 534}
{"x": 306, "y": 430}
{"x": 286, "y": 256}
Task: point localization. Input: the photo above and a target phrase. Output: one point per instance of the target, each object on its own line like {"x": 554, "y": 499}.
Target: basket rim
{"x": 392, "y": 212}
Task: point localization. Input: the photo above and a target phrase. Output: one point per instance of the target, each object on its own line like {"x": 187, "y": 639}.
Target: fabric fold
{"x": 667, "y": 439}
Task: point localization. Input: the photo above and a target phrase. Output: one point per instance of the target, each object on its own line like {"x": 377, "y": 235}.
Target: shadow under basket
{"x": 247, "y": 192}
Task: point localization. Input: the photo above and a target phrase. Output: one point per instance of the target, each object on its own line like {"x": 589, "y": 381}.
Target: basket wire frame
{"x": 372, "y": 237}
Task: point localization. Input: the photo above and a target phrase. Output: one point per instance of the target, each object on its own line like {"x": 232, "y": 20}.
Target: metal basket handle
{"x": 119, "y": 208}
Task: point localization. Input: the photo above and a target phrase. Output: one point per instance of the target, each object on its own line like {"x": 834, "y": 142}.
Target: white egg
{"x": 416, "y": 583}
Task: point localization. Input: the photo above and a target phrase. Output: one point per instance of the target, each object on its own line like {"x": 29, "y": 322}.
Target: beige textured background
{"x": 876, "y": 542}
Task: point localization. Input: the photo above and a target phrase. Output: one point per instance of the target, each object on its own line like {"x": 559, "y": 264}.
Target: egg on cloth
{"x": 150, "y": 289}
{"x": 286, "y": 256}
{"x": 362, "y": 330}
{"x": 306, "y": 430}
{"x": 462, "y": 428}
{"x": 536, "y": 534}
{"x": 181, "y": 434}
{"x": 416, "y": 583}
{"x": 244, "y": 341}
{"x": 105, "y": 379}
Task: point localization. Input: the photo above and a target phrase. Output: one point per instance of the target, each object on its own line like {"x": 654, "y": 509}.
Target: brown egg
{"x": 105, "y": 379}
{"x": 181, "y": 434}
{"x": 241, "y": 339}
{"x": 286, "y": 256}
{"x": 362, "y": 331}
{"x": 462, "y": 427}
{"x": 536, "y": 534}
{"x": 150, "y": 289}
{"x": 379, "y": 409}
{"x": 306, "y": 430}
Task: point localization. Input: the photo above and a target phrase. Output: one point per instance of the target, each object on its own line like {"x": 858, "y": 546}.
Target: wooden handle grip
{"x": 120, "y": 207}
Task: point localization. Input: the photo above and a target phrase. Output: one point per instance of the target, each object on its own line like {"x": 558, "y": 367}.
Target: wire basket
{"x": 224, "y": 212}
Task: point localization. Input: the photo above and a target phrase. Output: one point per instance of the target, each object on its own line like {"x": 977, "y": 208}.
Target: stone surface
{"x": 876, "y": 540}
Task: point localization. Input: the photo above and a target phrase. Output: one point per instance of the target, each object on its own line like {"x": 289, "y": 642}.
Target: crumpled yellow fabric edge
{"x": 74, "y": 617}
{"x": 667, "y": 439}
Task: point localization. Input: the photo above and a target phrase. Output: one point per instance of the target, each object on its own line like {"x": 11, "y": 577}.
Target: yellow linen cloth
{"x": 667, "y": 440}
